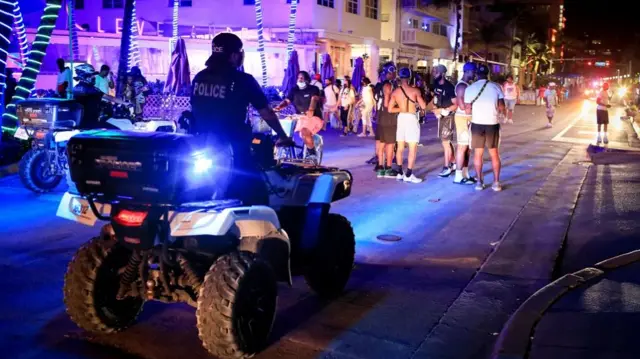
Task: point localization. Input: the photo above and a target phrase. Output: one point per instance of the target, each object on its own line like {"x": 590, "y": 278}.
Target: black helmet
{"x": 84, "y": 72}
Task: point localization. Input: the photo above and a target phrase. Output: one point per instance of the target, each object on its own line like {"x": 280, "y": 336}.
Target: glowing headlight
{"x": 587, "y": 92}
{"x": 202, "y": 163}
{"x": 622, "y": 91}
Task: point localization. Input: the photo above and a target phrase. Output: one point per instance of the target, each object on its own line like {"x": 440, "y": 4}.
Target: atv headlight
{"x": 202, "y": 162}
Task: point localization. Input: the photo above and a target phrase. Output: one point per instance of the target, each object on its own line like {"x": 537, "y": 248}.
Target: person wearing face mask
{"x": 306, "y": 99}
{"x": 219, "y": 100}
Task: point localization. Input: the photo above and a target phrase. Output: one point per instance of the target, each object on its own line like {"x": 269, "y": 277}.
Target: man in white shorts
{"x": 484, "y": 100}
{"x": 405, "y": 101}
{"x": 511, "y": 94}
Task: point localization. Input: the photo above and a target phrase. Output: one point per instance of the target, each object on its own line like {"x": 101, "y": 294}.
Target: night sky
{"x": 611, "y": 21}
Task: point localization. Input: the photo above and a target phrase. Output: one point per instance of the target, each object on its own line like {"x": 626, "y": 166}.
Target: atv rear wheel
{"x": 237, "y": 305}
{"x": 331, "y": 263}
{"x": 91, "y": 285}
{"x": 33, "y": 170}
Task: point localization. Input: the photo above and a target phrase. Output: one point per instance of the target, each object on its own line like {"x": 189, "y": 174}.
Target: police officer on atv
{"x": 219, "y": 100}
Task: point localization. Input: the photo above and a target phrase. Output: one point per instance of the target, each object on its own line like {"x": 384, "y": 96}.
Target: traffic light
{"x": 607, "y": 63}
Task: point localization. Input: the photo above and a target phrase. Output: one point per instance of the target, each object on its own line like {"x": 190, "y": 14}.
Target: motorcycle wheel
{"x": 33, "y": 172}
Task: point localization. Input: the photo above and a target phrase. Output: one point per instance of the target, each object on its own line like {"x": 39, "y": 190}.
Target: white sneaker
{"x": 605, "y": 139}
{"x": 400, "y": 176}
{"x": 479, "y": 186}
{"x": 599, "y": 139}
{"x": 412, "y": 179}
{"x": 361, "y": 135}
{"x": 510, "y": 121}
{"x": 496, "y": 187}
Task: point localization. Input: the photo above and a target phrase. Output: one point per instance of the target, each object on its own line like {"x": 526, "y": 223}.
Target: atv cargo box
{"x": 145, "y": 167}
{"x": 49, "y": 113}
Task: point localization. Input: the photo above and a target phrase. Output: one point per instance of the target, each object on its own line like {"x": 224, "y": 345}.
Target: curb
{"x": 8, "y": 170}
{"x": 514, "y": 341}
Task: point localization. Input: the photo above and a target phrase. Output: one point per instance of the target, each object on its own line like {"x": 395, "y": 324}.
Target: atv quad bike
{"x": 165, "y": 239}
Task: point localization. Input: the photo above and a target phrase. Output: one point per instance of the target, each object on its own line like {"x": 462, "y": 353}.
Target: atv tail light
{"x": 119, "y": 174}
{"x": 130, "y": 218}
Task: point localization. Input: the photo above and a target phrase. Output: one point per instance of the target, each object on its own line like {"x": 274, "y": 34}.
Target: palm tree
{"x": 75, "y": 48}
{"x": 36, "y": 57}
{"x": 528, "y": 46}
{"x": 291, "y": 39}
{"x": 174, "y": 35}
{"x": 489, "y": 33}
{"x": 260, "y": 26}
{"x": 125, "y": 45}
{"x": 21, "y": 33}
{"x": 536, "y": 57}
{"x": 6, "y": 19}
{"x": 134, "y": 51}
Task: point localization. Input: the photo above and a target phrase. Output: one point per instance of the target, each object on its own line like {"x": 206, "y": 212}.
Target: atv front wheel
{"x": 91, "y": 285}
{"x": 237, "y": 305}
{"x": 331, "y": 263}
{"x": 34, "y": 172}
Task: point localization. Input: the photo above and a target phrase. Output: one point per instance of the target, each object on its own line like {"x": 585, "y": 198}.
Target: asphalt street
{"x": 465, "y": 260}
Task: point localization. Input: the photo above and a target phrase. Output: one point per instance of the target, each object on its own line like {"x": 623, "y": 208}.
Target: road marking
{"x": 573, "y": 123}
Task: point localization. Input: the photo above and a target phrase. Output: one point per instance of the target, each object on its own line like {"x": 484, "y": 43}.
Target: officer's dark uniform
{"x": 219, "y": 99}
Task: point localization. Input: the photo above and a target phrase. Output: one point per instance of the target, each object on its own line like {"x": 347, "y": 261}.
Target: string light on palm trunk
{"x": 6, "y": 18}
{"x": 263, "y": 59}
{"x": 75, "y": 48}
{"x": 134, "y": 51}
{"x": 292, "y": 27}
{"x": 174, "y": 35}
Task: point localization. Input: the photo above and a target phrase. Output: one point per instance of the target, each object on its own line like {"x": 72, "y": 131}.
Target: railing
{"x": 166, "y": 107}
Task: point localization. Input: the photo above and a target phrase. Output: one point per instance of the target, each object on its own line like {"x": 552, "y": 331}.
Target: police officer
{"x": 219, "y": 100}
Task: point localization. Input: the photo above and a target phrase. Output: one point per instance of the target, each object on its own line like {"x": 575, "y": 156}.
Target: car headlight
{"x": 202, "y": 162}
{"x": 622, "y": 91}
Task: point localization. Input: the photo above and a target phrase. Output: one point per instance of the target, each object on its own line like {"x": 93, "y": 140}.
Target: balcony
{"x": 423, "y": 8}
{"x": 421, "y": 38}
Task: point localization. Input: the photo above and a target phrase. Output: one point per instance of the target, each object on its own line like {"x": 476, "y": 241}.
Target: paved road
{"x": 465, "y": 261}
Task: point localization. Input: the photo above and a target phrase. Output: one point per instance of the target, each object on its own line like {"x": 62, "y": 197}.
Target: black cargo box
{"x": 49, "y": 113}
{"x": 146, "y": 167}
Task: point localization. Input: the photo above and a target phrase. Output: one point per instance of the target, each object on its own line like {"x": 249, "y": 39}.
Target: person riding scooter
{"x": 219, "y": 100}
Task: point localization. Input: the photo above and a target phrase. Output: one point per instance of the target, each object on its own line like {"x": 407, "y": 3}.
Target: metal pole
{"x": 70, "y": 24}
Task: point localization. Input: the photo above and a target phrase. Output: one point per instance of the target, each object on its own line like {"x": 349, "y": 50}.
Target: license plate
{"x": 21, "y": 133}
{"x": 76, "y": 208}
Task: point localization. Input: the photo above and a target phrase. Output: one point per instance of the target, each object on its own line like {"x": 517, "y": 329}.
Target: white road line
{"x": 573, "y": 123}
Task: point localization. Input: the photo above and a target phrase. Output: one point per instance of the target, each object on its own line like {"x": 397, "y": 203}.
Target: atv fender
{"x": 331, "y": 187}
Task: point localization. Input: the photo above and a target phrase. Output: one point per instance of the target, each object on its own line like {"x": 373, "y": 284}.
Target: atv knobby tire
{"x": 91, "y": 286}
{"x": 330, "y": 264}
{"x": 31, "y": 172}
{"x": 238, "y": 289}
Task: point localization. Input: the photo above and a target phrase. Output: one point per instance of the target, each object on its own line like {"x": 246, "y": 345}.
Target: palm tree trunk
{"x": 174, "y": 35}
{"x": 134, "y": 51}
{"x": 456, "y": 47}
{"x": 263, "y": 59}
{"x": 5, "y": 34}
{"x": 34, "y": 62}
{"x": 291, "y": 39}
{"x": 21, "y": 33}
{"x": 125, "y": 45}
{"x": 75, "y": 48}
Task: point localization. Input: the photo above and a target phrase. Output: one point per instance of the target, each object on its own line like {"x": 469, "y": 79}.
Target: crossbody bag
{"x": 414, "y": 102}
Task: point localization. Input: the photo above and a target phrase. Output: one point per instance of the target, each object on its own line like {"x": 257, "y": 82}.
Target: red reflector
{"x": 130, "y": 218}
{"x": 39, "y": 135}
{"x": 119, "y": 174}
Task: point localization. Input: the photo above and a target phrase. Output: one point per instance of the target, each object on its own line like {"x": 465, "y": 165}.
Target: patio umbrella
{"x": 358, "y": 73}
{"x": 326, "y": 69}
{"x": 289, "y": 80}
{"x": 179, "y": 74}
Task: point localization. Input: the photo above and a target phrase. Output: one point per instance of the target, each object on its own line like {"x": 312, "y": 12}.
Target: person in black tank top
{"x": 386, "y": 127}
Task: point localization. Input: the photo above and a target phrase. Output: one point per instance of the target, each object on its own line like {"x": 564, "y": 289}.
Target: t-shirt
{"x": 102, "y": 83}
{"x": 331, "y": 94}
{"x": 605, "y": 99}
{"x": 443, "y": 94}
{"x": 484, "y": 110}
{"x": 301, "y": 99}
{"x": 219, "y": 101}
{"x": 317, "y": 84}
{"x": 64, "y": 76}
{"x": 551, "y": 97}
{"x": 367, "y": 96}
{"x": 510, "y": 91}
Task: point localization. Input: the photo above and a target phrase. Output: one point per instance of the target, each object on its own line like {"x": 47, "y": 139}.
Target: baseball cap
{"x": 469, "y": 66}
{"x": 483, "y": 70}
{"x": 226, "y": 43}
{"x": 404, "y": 73}
{"x": 441, "y": 69}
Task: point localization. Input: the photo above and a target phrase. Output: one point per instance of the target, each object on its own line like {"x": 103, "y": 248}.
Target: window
{"x": 186, "y": 3}
{"x": 113, "y": 4}
{"x": 352, "y": 6}
{"x": 327, "y": 3}
{"x": 371, "y": 9}
{"x": 426, "y": 27}
{"x": 288, "y": 1}
{"x": 413, "y": 23}
{"x": 79, "y": 5}
{"x": 249, "y": 2}
{"x": 444, "y": 31}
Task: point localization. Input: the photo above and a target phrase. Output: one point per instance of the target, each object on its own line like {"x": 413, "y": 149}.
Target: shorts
{"x": 408, "y": 128}
{"x": 485, "y": 136}
{"x": 551, "y": 111}
{"x": 313, "y": 124}
{"x": 387, "y": 127}
{"x": 602, "y": 117}
{"x": 510, "y": 104}
{"x": 445, "y": 128}
{"x": 463, "y": 135}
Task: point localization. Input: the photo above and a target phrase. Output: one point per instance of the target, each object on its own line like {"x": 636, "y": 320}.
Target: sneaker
{"x": 381, "y": 172}
{"x": 467, "y": 181}
{"x": 496, "y": 187}
{"x": 479, "y": 186}
{"x": 453, "y": 166}
{"x": 605, "y": 139}
{"x": 510, "y": 121}
{"x": 361, "y": 135}
{"x": 446, "y": 172}
{"x": 599, "y": 139}
{"x": 377, "y": 168}
{"x": 391, "y": 173}
{"x": 412, "y": 179}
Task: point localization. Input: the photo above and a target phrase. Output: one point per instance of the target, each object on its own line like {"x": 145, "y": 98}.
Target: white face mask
{"x": 302, "y": 85}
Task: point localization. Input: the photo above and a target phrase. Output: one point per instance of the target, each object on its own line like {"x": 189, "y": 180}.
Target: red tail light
{"x": 119, "y": 174}
{"x": 130, "y": 218}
